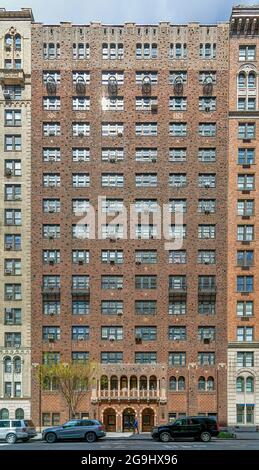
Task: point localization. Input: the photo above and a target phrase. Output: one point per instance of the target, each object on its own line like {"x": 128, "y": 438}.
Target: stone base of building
{"x": 15, "y": 408}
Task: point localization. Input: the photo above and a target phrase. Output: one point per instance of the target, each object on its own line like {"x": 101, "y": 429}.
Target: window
{"x": 80, "y": 154}
{"x": 51, "y": 180}
{"x": 207, "y": 231}
{"x": 245, "y": 414}
{"x": 13, "y": 167}
{"x": 51, "y": 129}
{"x": 80, "y": 357}
{"x": 245, "y": 308}
{"x": 206, "y": 358}
{"x": 80, "y": 256}
{"x": 112, "y": 282}
{"x": 178, "y": 205}
{"x": 177, "y": 333}
{"x": 146, "y": 333}
{"x": 80, "y": 307}
{"x": 247, "y": 53}
{"x": 51, "y": 256}
{"x": 240, "y": 385}
{"x": 177, "y": 359}
{"x": 51, "y": 333}
{"x": 178, "y": 51}
{"x": 51, "y": 205}
{"x": 52, "y": 75}
{"x": 111, "y": 357}
{"x": 13, "y": 340}
{"x": 177, "y": 154}
{"x": 207, "y": 103}
{"x": 246, "y": 156}
{"x": 112, "y": 51}
{"x": 81, "y": 103}
{"x": 206, "y": 257}
{"x": 146, "y": 128}
{"x": 245, "y": 207}
{"x": 146, "y": 154}
{"x": 13, "y": 192}
{"x": 152, "y": 76}
{"x": 51, "y": 358}
{"x": 80, "y": 180}
{"x": 178, "y": 129}
{"x": 177, "y": 103}
{"x": 81, "y": 51}
{"x": 51, "y": 282}
{"x": 146, "y": 51}
{"x": 113, "y": 104}
{"x": 111, "y": 206}
{"x": 13, "y": 316}
{"x": 14, "y": 91}
{"x": 80, "y": 283}
{"x": 112, "y": 231}
{"x": 145, "y": 357}
{"x": 208, "y": 51}
{"x": 177, "y": 307}
{"x": 206, "y": 307}
{"x": 204, "y": 75}
{"x": 250, "y": 385}
{"x": 13, "y": 267}
{"x": 207, "y": 283}
{"x": 146, "y": 206}
{"x": 206, "y": 206}
{"x": 51, "y": 51}
{"x": 13, "y": 143}
{"x": 51, "y": 154}
{"x": 17, "y": 389}
{"x": 146, "y": 180}
{"x": 245, "y": 233}
{"x": 7, "y": 389}
{"x": 80, "y": 129}
{"x": 13, "y": 217}
{"x": 207, "y": 129}
{"x": 178, "y": 74}
{"x": 51, "y": 103}
{"x": 145, "y": 231}
{"x": 13, "y": 242}
{"x": 245, "y": 334}
{"x": 246, "y": 130}
{"x": 80, "y": 231}
{"x": 177, "y": 256}
{"x": 112, "y": 154}
{"x": 80, "y": 206}
{"x": 112, "y": 333}
{"x": 13, "y": 117}
{"x": 112, "y": 256}
{"x": 207, "y": 155}
{"x": 145, "y": 282}
{"x": 177, "y": 283}
{"x": 80, "y": 333}
{"x": 246, "y": 104}
{"x": 145, "y": 307}
{"x": 245, "y": 359}
{"x": 17, "y": 64}
{"x": 51, "y": 308}
{"x": 245, "y": 182}
{"x": 178, "y": 180}
{"x": 112, "y": 307}
{"x": 119, "y": 77}
{"x": 112, "y": 129}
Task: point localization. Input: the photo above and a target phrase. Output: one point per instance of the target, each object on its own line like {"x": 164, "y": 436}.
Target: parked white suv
{"x": 13, "y": 429}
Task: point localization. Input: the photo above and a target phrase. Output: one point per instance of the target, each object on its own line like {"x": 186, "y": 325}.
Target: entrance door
{"x": 128, "y": 419}
{"x": 147, "y": 420}
{"x": 109, "y": 420}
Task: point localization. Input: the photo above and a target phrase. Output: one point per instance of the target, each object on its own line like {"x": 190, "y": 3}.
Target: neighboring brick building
{"x": 15, "y": 206}
{"x": 164, "y": 311}
{"x": 243, "y": 280}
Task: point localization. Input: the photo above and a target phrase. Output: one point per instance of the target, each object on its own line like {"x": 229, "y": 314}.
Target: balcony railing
{"x": 80, "y": 290}
{"x": 207, "y": 289}
{"x": 125, "y": 394}
{"x": 49, "y": 290}
{"x": 11, "y": 77}
{"x": 178, "y": 289}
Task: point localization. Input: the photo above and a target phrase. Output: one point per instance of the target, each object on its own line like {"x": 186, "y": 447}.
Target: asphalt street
{"x": 136, "y": 444}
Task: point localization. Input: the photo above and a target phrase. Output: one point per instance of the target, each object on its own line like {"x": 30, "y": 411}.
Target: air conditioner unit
{"x": 153, "y": 159}
{"x": 52, "y": 132}
{"x": 120, "y": 287}
{"x": 51, "y": 236}
{"x": 112, "y": 237}
{"x": 51, "y": 210}
{"x": 80, "y": 261}
{"x": 207, "y": 109}
{"x": 206, "y": 211}
{"x": 8, "y": 271}
{"x": 112, "y": 338}
{"x": 138, "y": 337}
{"x": 8, "y": 172}
{"x": 80, "y": 337}
{"x": 7, "y": 94}
{"x": 154, "y": 107}
{"x": 51, "y": 261}
{"x": 8, "y": 247}
{"x": 138, "y": 262}
{"x": 51, "y": 338}
{"x": 112, "y": 261}
{"x": 120, "y": 134}
{"x": 81, "y": 134}
{"x": 206, "y": 184}
{"x": 119, "y": 312}
{"x": 112, "y": 159}
{"x": 8, "y": 296}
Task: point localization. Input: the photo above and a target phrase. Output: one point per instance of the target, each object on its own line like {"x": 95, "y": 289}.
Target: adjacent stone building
{"x": 15, "y": 206}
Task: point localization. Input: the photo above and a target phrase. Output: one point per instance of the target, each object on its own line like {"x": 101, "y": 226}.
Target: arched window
{"x": 172, "y": 383}
{"x": 181, "y": 383}
{"x": 210, "y": 383}
{"x": 152, "y": 382}
{"x": 240, "y": 384}
{"x": 241, "y": 80}
{"x": 201, "y": 384}
{"x": 7, "y": 365}
{"x": 8, "y": 41}
{"x": 143, "y": 382}
{"x": 251, "y": 80}
{"x": 17, "y": 365}
{"x": 4, "y": 413}
{"x": 19, "y": 413}
{"x": 114, "y": 382}
{"x": 249, "y": 384}
{"x": 17, "y": 42}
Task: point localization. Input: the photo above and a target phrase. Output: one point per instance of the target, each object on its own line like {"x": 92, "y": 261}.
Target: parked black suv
{"x": 201, "y": 428}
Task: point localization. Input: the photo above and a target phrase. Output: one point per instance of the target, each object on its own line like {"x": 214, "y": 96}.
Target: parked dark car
{"x": 87, "y": 429}
{"x": 201, "y": 428}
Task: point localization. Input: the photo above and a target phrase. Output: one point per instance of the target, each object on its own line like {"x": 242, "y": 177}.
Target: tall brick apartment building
{"x": 143, "y": 115}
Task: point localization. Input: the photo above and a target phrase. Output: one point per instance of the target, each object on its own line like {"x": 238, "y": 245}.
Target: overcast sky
{"x": 119, "y": 11}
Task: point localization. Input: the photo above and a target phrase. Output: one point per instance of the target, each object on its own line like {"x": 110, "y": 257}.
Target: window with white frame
{"x": 51, "y": 231}
{"x": 206, "y": 257}
{"x": 146, "y": 154}
{"x": 80, "y": 206}
{"x": 146, "y": 256}
{"x": 145, "y": 103}
{"x": 80, "y": 256}
{"x": 178, "y": 103}
{"x": 146, "y": 205}
{"x": 81, "y": 103}
{"x": 178, "y": 74}
{"x": 145, "y": 180}
{"x": 207, "y": 103}
{"x": 52, "y": 75}
{"x": 207, "y": 180}
{"x": 111, "y": 282}
{"x": 245, "y": 308}
{"x": 146, "y": 51}
{"x": 145, "y": 231}
{"x": 177, "y": 256}
{"x": 178, "y": 129}
{"x": 81, "y": 76}
{"x": 153, "y": 77}
{"x": 112, "y": 129}
{"x": 80, "y": 231}
{"x": 207, "y": 155}
{"x": 12, "y": 143}
{"x": 112, "y": 180}
{"x": 51, "y": 205}
{"x": 247, "y": 52}
{"x": 112, "y": 51}
{"x": 245, "y": 182}
{"x": 207, "y": 129}
{"x": 178, "y": 180}
{"x": 207, "y": 231}
{"x": 146, "y": 128}
{"x": 51, "y": 154}
{"x": 112, "y": 154}
{"x": 208, "y": 74}
{"x": 119, "y": 76}
{"x": 110, "y": 206}
{"x": 177, "y": 231}
{"x": 113, "y": 231}
{"x": 178, "y": 51}
{"x": 80, "y": 180}
{"x": 51, "y": 50}
{"x": 113, "y": 103}
{"x": 80, "y": 154}
{"x": 177, "y": 154}
{"x": 81, "y": 50}
{"x": 51, "y": 128}
{"x": 81, "y": 129}
{"x": 51, "y": 180}
{"x": 207, "y": 206}
{"x": 208, "y": 51}
{"x": 246, "y": 130}
{"x": 51, "y": 103}
{"x": 178, "y": 205}
{"x": 112, "y": 256}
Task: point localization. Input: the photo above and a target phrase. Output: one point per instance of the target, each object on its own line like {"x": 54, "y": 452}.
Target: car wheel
{"x": 50, "y": 437}
{"x": 165, "y": 436}
{"x": 11, "y": 438}
{"x": 205, "y": 436}
{"x": 90, "y": 437}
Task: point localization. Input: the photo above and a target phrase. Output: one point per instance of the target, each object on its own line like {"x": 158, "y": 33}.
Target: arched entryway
{"x": 109, "y": 419}
{"x": 128, "y": 419}
{"x": 147, "y": 419}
